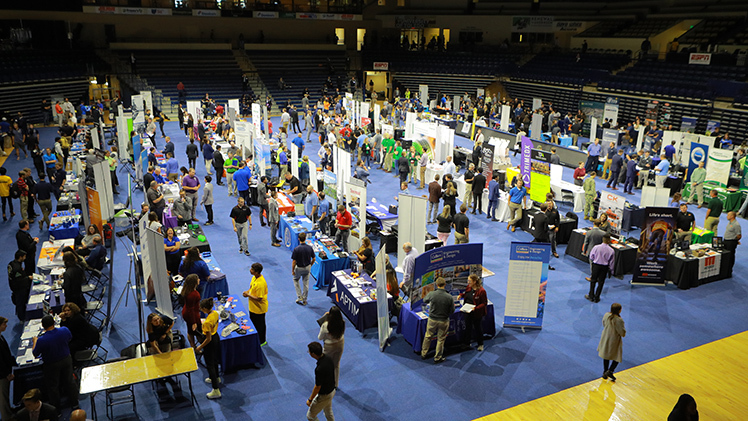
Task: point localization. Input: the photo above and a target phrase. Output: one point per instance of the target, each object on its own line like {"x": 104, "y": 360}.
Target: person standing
{"x": 324, "y": 384}
{"x": 182, "y": 208}
{"x": 590, "y": 193}
{"x": 697, "y": 184}
{"x": 208, "y": 156}
{"x": 302, "y": 259}
{"x": 191, "y": 186}
{"x": 332, "y": 335}
{"x": 210, "y": 347}
{"x": 593, "y": 155}
{"x": 257, "y": 295}
{"x": 423, "y": 162}
{"x": 57, "y": 367}
{"x": 493, "y": 197}
{"x": 323, "y": 211}
{"x": 628, "y": 187}
{"x": 442, "y": 306}
{"x": 713, "y": 212}
{"x": 207, "y": 199}
{"x": 192, "y": 153}
{"x": 661, "y": 171}
{"x": 218, "y": 164}
{"x": 540, "y": 222}
{"x": 23, "y": 188}
{"x": 445, "y": 224}
{"x": 435, "y": 193}
{"x": 27, "y": 243}
{"x": 262, "y": 200}
{"x": 462, "y": 226}
{"x": 241, "y": 219}
{"x": 479, "y": 183}
{"x": 615, "y": 169}
{"x": 602, "y": 260}
{"x": 474, "y": 294}
{"x": 311, "y": 203}
{"x": 155, "y": 199}
{"x": 517, "y": 202}
{"x": 5, "y": 184}
{"x": 732, "y": 237}
{"x": 610, "y": 348}
{"x": 20, "y": 284}
{"x": 7, "y": 362}
{"x": 409, "y": 264}
{"x": 230, "y": 166}
{"x": 343, "y": 223}
{"x": 241, "y": 179}
{"x": 469, "y": 178}
{"x": 273, "y": 219}
{"x": 579, "y": 174}
{"x": 553, "y": 220}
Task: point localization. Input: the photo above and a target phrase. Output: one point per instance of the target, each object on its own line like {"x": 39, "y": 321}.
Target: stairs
{"x": 255, "y": 83}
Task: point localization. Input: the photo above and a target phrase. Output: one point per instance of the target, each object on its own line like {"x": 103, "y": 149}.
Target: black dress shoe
{"x": 589, "y": 298}
{"x": 610, "y": 374}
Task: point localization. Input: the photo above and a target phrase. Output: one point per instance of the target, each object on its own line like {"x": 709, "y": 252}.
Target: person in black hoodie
{"x": 27, "y": 243}
{"x": 554, "y": 219}
{"x": 73, "y": 279}
{"x": 7, "y": 362}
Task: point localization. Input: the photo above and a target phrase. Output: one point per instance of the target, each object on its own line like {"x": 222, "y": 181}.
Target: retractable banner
{"x": 526, "y": 286}
{"x": 718, "y": 167}
{"x": 526, "y": 160}
{"x": 540, "y": 174}
{"x": 612, "y": 205}
{"x": 697, "y": 155}
{"x": 654, "y": 245}
{"x": 611, "y": 110}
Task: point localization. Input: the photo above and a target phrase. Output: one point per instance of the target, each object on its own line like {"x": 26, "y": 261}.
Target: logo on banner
{"x": 306, "y": 16}
{"x": 381, "y": 65}
{"x": 207, "y": 13}
{"x": 266, "y": 15}
{"x": 698, "y": 155}
{"x": 696, "y": 58}
{"x": 287, "y": 237}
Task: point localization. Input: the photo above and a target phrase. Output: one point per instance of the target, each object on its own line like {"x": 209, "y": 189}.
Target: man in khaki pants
{"x": 442, "y": 306}
{"x": 469, "y": 177}
{"x": 713, "y": 212}
{"x": 697, "y": 185}
{"x": 462, "y": 226}
{"x": 422, "y": 163}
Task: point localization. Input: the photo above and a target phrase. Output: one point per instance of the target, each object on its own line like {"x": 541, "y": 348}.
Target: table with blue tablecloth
{"x": 563, "y": 140}
{"x": 238, "y": 350}
{"x": 412, "y": 325}
{"x": 65, "y": 224}
{"x": 45, "y": 295}
{"x": 356, "y": 298}
{"x": 217, "y": 281}
{"x": 322, "y": 269}
{"x": 290, "y": 228}
{"x": 381, "y": 213}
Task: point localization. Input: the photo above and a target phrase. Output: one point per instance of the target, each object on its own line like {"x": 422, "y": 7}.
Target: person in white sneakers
{"x": 209, "y": 347}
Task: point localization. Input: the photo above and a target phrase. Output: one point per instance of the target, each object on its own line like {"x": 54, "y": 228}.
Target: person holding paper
{"x": 476, "y": 300}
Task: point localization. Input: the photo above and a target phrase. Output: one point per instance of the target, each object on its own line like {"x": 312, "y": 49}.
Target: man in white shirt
{"x": 285, "y": 119}
{"x": 449, "y": 167}
{"x": 409, "y": 264}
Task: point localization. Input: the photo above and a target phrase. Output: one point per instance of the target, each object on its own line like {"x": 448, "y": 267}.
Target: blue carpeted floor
{"x": 515, "y": 367}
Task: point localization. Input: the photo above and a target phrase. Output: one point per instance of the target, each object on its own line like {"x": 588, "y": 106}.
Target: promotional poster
{"x": 526, "y": 286}
{"x": 486, "y": 161}
{"x": 654, "y": 245}
{"x": 697, "y": 154}
{"x": 525, "y": 166}
{"x": 540, "y": 174}
{"x": 612, "y": 205}
{"x": 453, "y": 263}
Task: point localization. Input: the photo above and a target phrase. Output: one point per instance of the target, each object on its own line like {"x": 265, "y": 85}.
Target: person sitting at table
{"x": 685, "y": 222}
{"x": 97, "y": 258}
{"x": 153, "y": 222}
{"x": 183, "y": 209}
{"x": 190, "y": 299}
{"x": 80, "y": 259}
{"x": 605, "y": 223}
{"x": 85, "y": 335}
{"x": 365, "y": 255}
{"x": 210, "y": 346}
{"x": 32, "y": 404}
{"x": 331, "y": 332}
{"x": 73, "y": 280}
{"x": 160, "y": 337}
{"x": 171, "y": 248}
{"x": 193, "y": 263}
{"x": 87, "y": 242}
{"x": 394, "y": 290}
{"x": 475, "y": 295}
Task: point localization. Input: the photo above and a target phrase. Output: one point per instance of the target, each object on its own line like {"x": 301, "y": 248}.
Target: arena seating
{"x": 708, "y": 31}
{"x": 460, "y": 63}
{"x": 558, "y": 68}
{"x": 646, "y": 28}
{"x": 604, "y": 29}
{"x": 446, "y": 84}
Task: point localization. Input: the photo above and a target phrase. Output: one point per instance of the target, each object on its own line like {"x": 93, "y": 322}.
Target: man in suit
{"x": 479, "y": 183}
{"x": 35, "y": 409}
{"x": 540, "y": 221}
{"x": 7, "y": 362}
{"x": 28, "y": 244}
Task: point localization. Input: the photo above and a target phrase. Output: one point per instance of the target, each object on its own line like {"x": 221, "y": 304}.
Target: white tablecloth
{"x": 578, "y": 191}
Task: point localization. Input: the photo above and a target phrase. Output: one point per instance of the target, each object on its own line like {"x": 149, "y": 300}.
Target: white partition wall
{"x": 295, "y": 160}
{"x": 256, "y": 117}
{"x": 154, "y": 266}
{"x": 123, "y": 137}
{"x": 505, "y": 117}
{"x": 355, "y": 196}
{"x": 138, "y": 116}
{"x": 103, "y": 181}
{"x": 148, "y": 99}
{"x": 445, "y": 141}
{"x": 536, "y": 127}
{"x": 411, "y": 225}
{"x": 377, "y": 112}
{"x": 593, "y": 128}
{"x": 410, "y": 121}
{"x": 95, "y": 138}
{"x": 313, "y": 174}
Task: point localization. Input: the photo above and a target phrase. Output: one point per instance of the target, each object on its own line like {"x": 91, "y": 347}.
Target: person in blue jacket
{"x": 493, "y": 197}
{"x": 241, "y": 178}
{"x": 193, "y": 263}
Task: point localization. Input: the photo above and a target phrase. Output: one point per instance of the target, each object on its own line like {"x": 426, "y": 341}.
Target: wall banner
{"x": 611, "y": 110}
{"x": 700, "y": 58}
{"x": 526, "y": 284}
{"x": 540, "y": 174}
{"x": 718, "y": 166}
{"x": 453, "y": 263}
{"x": 688, "y": 124}
{"x": 699, "y": 153}
{"x": 526, "y": 160}
{"x": 654, "y": 245}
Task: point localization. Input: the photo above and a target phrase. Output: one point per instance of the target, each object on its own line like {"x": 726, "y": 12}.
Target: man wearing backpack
{"x": 5, "y": 187}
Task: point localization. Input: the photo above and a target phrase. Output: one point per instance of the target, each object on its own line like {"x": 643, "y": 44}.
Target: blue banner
{"x": 699, "y": 153}
{"x": 453, "y": 263}
{"x": 526, "y": 284}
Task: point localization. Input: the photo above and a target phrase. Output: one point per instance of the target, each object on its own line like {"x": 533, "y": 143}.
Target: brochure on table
{"x": 153, "y": 260}
{"x": 527, "y": 282}
{"x": 654, "y": 245}
{"x": 383, "y": 311}
{"x": 612, "y": 205}
{"x": 453, "y": 263}
{"x": 411, "y": 224}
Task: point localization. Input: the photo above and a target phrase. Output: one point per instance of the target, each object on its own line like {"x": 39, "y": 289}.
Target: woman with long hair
{"x": 171, "y": 247}
{"x": 610, "y": 348}
{"x": 475, "y": 295}
{"x": 158, "y": 328}
{"x": 72, "y": 280}
{"x": 191, "y": 306}
{"x": 193, "y": 263}
{"x": 153, "y": 222}
{"x": 444, "y": 229}
{"x": 393, "y": 288}
{"x": 449, "y": 197}
{"x": 332, "y": 333}
{"x": 87, "y": 242}
{"x": 84, "y": 335}
{"x": 365, "y": 255}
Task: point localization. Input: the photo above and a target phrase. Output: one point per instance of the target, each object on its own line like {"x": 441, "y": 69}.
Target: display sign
{"x": 611, "y": 110}
{"x": 527, "y": 282}
{"x": 525, "y": 166}
{"x": 533, "y": 24}
{"x": 330, "y": 182}
{"x": 700, "y": 58}
{"x": 718, "y": 166}
{"x": 383, "y": 311}
{"x": 206, "y": 13}
{"x": 709, "y": 265}
{"x": 381, "y": 65}
{"x": 711, "y": 125}
{"x": 486, "y": 161}
{"x": 138, "y": 114}
{"x": 148, "y": 99}
{"x": 612, "y": 205}
{"x": 698, "y": 154}
{"x": 591, "y": 109}
{"x": 505, "y": 115}
{"x": 115, "y": 10}
{"x": 744, "y": 178}
{"x": 609, "y": 136}
{"x": 453, "y": 263}
{"x": 94, "y": 208}
{"x": 688, "y": 124}
{"x": 654, "y": 245}
{"x": 540, "y": 174}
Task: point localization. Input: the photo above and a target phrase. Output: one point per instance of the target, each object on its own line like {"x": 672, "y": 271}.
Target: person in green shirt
{"x": 231, "y": 165}
{"x": 413, "y": 157}
{"x": 590, "y": 193}
{"x": 713, "y": 212}
{"x": 398, "y": 153}
{"x": 697, "y": 184}
{"x": 388, "y": 145}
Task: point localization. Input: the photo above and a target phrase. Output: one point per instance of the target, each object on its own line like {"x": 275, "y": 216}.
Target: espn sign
{"x": 699, "y": 58}
{"x": 381, "y": 65}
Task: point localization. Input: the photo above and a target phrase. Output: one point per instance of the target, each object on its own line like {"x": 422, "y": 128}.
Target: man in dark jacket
{"x": 218, "y": 164}
{"x": 20, "y": 284}
{"x": 28, "y": 244}
{"x": 192, "y": 153}
{"x": 540, "y": 221}
{"x": 615, "y": 169}
{"x": 403, "y": 167}
{"x": 479, "y": 183}
{"x": 435, "y": 193}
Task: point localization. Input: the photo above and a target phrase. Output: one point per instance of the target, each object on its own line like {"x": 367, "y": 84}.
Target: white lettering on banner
{"x": 347, "y": 302}
{"x": 709, "y": 266}
{"x": 697, "y": 58}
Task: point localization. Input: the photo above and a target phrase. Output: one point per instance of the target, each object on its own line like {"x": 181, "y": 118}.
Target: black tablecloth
{"x": 625, "y": 259}
{"x": 565, "y": 226}
{"x": 684, "y": 273}
{"x": 632, "y": 217}
{"x": 675, "y": 183}
{"x": 202, "y": 246}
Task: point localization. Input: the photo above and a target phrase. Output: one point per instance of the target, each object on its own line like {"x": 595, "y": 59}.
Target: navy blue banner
{"x": 453, "y": 263}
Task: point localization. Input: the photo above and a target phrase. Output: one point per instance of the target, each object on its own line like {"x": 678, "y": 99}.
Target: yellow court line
{"x": 714, "y": 374}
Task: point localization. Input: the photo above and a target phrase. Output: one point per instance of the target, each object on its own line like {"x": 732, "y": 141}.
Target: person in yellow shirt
{"x": 5, "y": 183}
{"x": 210, "y": 347}
{"x": 257, "y": 294}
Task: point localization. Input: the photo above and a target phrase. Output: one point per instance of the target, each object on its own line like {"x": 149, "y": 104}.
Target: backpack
{"x": 15, "y": 191}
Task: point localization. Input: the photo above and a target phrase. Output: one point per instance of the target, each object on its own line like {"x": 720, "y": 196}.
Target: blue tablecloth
{"x": 60, "y": 231}
{"x": 239, "y": 350}
{"x": 55, "y": 298}
{"x": 290, "y": 229}
{"x": 563, "y": 140}
{"x": 362, "y": 314}
{"x": 322, "y": 269}
{"x": 413, "y": 327}
{"x": 216, "y": 282}
{"x": 381, "y": 213}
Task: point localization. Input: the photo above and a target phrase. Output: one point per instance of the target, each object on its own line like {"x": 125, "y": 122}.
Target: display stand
{"x": 536, "y": 127}
{"x": 655, "y": 196}
{"x": 411, "y": 225}
{"x": 377, "y": 112}
{"x": 138, "y": 114}
{"x": 148, "y": 100}
{"x": 383, "y": 311}
{"x": 355, "y": 197}
{"x": 454, "y": 263}
{"x": 593, "y": 129}
{"x": 154, "y": 266}
{"x": 527, "y": 281}
{"x": 294, "y": 160}
{"x": 505, "y": 116}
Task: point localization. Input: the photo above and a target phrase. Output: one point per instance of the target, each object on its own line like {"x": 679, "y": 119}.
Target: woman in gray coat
{"x": 207, "y": 200}
{"x": 611, "y": 341}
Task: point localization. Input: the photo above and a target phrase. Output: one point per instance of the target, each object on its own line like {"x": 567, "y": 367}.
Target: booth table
{"x": 167, "y": 219}
{"x": 28, "y": 374}
{"x": 684, "y": 272}
{"x": 238, "y": 350}
{"x": 565, "y": 226}
{"x": 731, "y": 199}
{"x": 290, "y": 228}
{"x": 432, "y": 170}
{"x": 412, "y": 325}
{"x": 44, "y": 293}
{"x": 633, "y": 216}
{"x": 563, "y": 140}
{"x": 65, "y": 224}
{"x": 285, "y": 203}
{"x": 217, "y": 281}
{"x": 624, "y": 255}
{"x": 322, "y": 269}
{"x": 188, "y": 238}
{"x": 354, "y": 299}
{"x": 557, "y": 188}
{"x": 103, "y": 377}
{"x": 700, "y": 235}
{"x": 68, "y": 200}
{"x": 48, "y": 257}
{"x": 381, "y": 214}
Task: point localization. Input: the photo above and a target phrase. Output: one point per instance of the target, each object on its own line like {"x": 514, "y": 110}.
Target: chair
{"x": 85, "y": 357}
{"x": 119, "y": 395}
{"x": 567, "y": 196}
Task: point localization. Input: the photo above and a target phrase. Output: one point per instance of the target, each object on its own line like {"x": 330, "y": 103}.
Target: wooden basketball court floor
{"x": 715, "y": 374}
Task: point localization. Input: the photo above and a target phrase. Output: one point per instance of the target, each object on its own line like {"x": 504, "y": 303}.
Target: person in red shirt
{"x": 346, "y": 131}
{"x": 579, "y": 174}
{"x": 475, "y": 295}
{"x": 219, "y": 109}
{"x": 343, "y": 222}
{"x": 59, "y": 113}
{"x": 24, "y": 188}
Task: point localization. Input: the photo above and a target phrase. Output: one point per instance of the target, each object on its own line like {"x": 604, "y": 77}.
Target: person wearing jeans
{"x": 493, "y": 197}
{"x": 241, "y": 218}
{"x": 207, "y": 200}
{"x": 517, "y": 202}
{"x": 210, "y": 347}
{"x": 302, "y": 259}
{"x": 44, "y": 192}
{"x": 273, "y": 219}
{"x": 442, "y": 306}
{"x": 435, "y": 193}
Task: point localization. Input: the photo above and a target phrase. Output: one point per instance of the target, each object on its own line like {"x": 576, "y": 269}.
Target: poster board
{"x": 654, "y": 245}
{"x": 411, "y": 224}
{"x": 453, "y": 263}
{"x": 388, "y": 131}
{"x": 93, "y": 205}
{"x": 154, "y": 266}
{"x": 103, "y": 184}
{"x": 123, "y": 135}
{"x": 234, "y": 103}
{"x": 410, "y": 121}
{"x": 445, "y": 140}
{"x": 243, "y": 136}
{"x": 611, "y": 110}
{"x": 536, "y": 127}
{"x": 527, "y": 282}
{"x": 540, "y": 174}
{"x": 537, "y": 103}
{"x": 688, "y": 124}
{"x": 383, "y": 311}
{"x": 256, "y": 119}
{"x": 593, "y": 128}
{"x": 505, "y": 116}
{"x": 148, "y": 99}
{"x": 698, "y": 153}
{"x": 377, "y": 115}
{"x": 612, "y": 205}
{"x": 486, "y": 161}
{"x": 423, "y": 91}
{"x": 609, "y": 136}
{"x": 718, "y": 166}
{"x": 330, "y": 183}
{"x": 294, "y": 160}
{"x": 138, "y": 114}
{"x": 684, "y": 147}
{"x": 525, "y": 166}
{"x": 355, "y": 197}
